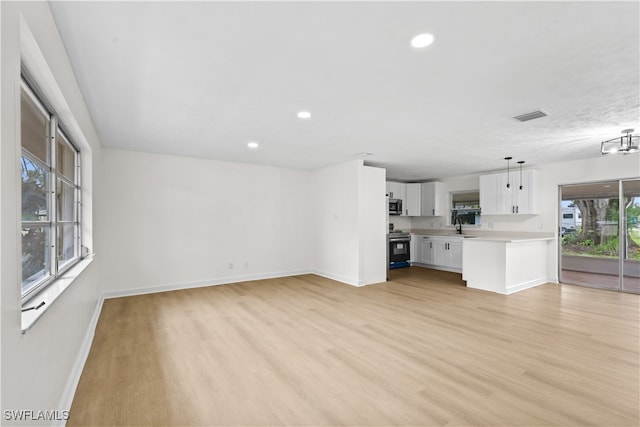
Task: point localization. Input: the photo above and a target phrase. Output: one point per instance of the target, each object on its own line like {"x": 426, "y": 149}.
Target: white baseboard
{"x": 437, "y": 267}
{"x": 76, "y": 372}
{"x": 202, "y": 283}
{"x": 526, "y": 285}
{"x": 338, "y": 278}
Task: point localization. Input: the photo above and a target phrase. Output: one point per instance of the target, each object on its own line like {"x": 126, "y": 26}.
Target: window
{"x": 465, "y": 206}
{"x": 50, "y": 168}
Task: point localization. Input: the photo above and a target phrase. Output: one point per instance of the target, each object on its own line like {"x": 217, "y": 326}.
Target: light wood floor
{"x": 421, "y": 349}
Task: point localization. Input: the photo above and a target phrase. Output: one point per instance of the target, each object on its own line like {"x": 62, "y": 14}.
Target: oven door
{"x": 399, "y": 250}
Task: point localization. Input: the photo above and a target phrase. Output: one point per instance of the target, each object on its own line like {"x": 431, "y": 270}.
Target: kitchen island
{"x": 507, "y": 264}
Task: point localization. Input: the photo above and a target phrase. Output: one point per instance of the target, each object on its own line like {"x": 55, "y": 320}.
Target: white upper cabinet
{"x": 412, "y": 203}
{"x": 526, "y": 200}
{"x": 418, "y": 199}
{"x": 397, "y": 190}
{"x": 430, "y": 199}
{"x": 498, "y": 199}
{"x": 410, "y": 194}
{"x": 489, "y": 191}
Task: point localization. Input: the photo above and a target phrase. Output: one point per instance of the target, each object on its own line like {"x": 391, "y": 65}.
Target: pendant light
{"x": 521, "y": 162}
{"x": 507, "y": 159}
{"x": 625, "y": 144}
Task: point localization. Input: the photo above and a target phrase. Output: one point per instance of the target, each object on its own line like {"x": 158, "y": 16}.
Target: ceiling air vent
{"x": 530, "y": 116}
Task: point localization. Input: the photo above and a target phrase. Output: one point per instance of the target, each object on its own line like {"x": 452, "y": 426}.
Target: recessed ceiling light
{"x": 422, "y": 40}
{"x": 252, "y": 144}
{"x": 304, "y": 114}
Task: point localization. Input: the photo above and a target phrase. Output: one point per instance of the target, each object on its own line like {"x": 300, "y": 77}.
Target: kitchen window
{"x": 50, "y": 171}
{"x": 465, "y": 207}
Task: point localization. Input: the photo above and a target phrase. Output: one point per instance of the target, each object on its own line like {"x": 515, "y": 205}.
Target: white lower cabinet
{"x": 508, "y": 266}
{"x": 413, "y": 249}
{"x": 426, "y": 250}
{"x": 452, "y": 254}
{"x": 439, "y": 252}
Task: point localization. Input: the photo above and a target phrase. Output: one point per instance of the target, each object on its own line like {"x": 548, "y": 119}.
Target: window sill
{"x": 50, "y": 294}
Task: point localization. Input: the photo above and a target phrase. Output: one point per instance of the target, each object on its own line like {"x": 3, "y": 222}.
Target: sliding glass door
{"x": 600, "y": 244}
{"x": 631, "y": 243}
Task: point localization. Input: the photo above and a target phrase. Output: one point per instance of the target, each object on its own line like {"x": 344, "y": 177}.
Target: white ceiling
{"x": 202, "y": 79}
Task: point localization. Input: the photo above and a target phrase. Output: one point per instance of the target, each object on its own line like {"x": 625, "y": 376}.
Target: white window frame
{"x": 453, "y": 211}
{"x": 55, "y": 130}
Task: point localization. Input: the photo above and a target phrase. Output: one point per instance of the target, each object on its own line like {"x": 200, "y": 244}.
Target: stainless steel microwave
{"x": 395, "y": 207}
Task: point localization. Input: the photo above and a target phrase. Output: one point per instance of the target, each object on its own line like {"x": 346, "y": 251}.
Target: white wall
{"x": 336, "y": 230}
{"x": 350, "y": 223}
{"x": 373, "y": 222}
{"x": 177, "y": 221}
{"x": 36, "y": 366}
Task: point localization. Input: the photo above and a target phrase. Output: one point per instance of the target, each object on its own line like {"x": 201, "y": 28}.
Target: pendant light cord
{"x": 521, "y": 162}
{"x": 507, "y": 159}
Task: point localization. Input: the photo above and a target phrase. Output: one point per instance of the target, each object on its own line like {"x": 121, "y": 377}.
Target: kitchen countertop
{"x": 436, "y": 232}
{"x": 488, "y": 236}
{"x": 448, "y": 235}
{"x": 511, "y": 239}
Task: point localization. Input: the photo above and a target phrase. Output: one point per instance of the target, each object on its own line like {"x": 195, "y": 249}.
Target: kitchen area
{"x": 437, "y": 226}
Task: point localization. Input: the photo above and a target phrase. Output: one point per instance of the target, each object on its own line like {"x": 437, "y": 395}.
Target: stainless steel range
{"x": 399, "y": 249}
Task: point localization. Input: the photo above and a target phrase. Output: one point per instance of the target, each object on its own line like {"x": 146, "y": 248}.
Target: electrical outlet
{"x": 230, "y": 266}
{"x": 246, "y": 264}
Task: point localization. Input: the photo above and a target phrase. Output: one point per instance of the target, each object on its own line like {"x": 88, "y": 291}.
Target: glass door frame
{"x": 622, "y": 227}
{"x": 624, "y": 243}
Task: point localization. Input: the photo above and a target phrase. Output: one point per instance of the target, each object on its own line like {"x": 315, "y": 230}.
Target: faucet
{"x": 458, "y": 223}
